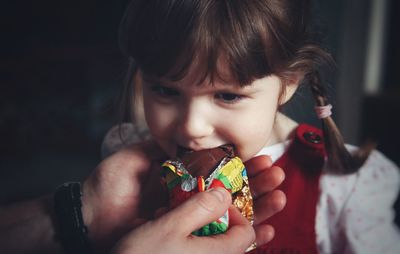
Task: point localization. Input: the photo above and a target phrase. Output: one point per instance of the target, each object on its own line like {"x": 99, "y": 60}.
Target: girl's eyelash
{"x": 229, "y": 98}
{"x": 224, "y": 97}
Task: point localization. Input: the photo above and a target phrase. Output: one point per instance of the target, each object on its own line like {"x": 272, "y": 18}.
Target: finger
{"x": 239, "y": 228}
{"x": 237, "y": 239}
{"x": 268, "y": 205}
{"x": 199, "y": 210}
{"x": 266, "y": 181}
{"x": 236, "y": 218}
{"x": 264, "y": 234}
{"x": 257, "y": 164}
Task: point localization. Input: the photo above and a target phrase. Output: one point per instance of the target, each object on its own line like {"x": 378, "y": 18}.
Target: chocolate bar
{"x": 196, "y": 171}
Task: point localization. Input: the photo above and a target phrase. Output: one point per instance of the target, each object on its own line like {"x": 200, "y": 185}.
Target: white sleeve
{"x": 367, "y": 216}
{"x": 121, "y": 136}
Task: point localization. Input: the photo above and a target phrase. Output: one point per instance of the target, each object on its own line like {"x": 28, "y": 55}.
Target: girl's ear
{"x": 290, "y": 86}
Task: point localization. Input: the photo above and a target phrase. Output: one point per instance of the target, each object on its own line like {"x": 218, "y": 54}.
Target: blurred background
{"x": 61, "y": 72}
{"x": 60, "y": 76}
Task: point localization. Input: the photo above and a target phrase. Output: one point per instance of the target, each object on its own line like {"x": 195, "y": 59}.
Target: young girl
{"x": 214, "y": 72}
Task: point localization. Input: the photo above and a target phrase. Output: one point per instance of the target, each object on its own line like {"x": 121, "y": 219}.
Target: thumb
{"x": 197, "y": 211}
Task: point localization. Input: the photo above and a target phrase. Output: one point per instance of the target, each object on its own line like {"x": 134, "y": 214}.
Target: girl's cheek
{"x": 160, "y": 119}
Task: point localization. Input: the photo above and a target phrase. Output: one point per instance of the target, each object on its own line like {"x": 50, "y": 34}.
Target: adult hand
{"x": 114, "y": 196}
{"x": 264, "y": 179}
{"x": 124, "y": 187}
{"x": 171, "y": 233}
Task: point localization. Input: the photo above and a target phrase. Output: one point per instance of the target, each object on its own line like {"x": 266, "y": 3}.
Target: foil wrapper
{"x": 198, "y": 171}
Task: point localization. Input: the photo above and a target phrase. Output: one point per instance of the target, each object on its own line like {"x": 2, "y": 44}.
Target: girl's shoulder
{"x": 359, "y": 206}
{"x": 378, "y": 176}
{"x": 377, "y": 164}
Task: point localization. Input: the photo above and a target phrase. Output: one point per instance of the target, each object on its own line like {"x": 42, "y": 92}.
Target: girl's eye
{"x": 164, "y": 91}
{"x": 228, "y": 97}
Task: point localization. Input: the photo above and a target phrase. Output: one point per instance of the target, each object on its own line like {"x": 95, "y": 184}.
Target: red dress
{"x": 295, "y": 224}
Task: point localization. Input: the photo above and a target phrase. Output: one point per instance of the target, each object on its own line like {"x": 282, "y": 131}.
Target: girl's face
{"x": 186, "y": 115}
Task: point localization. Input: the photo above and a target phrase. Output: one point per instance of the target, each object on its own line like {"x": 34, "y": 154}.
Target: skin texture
{"x": 198, "y": 117}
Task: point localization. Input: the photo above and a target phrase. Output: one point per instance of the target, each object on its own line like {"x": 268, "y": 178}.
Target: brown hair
{"x": 256, "y": 38}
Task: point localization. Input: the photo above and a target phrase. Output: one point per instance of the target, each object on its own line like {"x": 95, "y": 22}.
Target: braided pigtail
{"x": 340, "y": 160}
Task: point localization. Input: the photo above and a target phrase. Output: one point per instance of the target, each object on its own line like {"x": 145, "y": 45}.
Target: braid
{"x": 340, "y": 159}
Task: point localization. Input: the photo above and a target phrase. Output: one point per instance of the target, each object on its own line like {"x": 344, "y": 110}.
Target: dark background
{"x": 61, "y": 73}
{"x": 60, "y": 76}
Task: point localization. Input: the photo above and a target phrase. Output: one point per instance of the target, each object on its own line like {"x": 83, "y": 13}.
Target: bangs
{"x": 167, "y": 38}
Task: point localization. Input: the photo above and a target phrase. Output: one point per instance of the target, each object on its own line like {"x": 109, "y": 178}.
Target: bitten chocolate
{"x": 196, "y": 171}
{"x": 202, "y": 163}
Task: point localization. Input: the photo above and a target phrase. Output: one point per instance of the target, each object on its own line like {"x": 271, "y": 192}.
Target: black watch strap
{"x": 71, "y": 229}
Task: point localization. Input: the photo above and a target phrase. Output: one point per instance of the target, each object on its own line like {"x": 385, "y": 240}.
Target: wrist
{"x": 92, "y": 217}
{"x": 87, "y": 211}
{"x": 70, "y": 228}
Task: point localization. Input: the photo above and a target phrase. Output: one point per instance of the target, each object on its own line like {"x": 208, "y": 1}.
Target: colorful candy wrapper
{"x": 184, "y": 177}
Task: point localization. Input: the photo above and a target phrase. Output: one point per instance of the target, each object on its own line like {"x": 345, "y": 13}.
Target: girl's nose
{"x": 195, "y": 123}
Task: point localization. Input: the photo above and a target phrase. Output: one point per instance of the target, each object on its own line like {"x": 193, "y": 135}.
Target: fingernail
{"x": 219, "y": 193}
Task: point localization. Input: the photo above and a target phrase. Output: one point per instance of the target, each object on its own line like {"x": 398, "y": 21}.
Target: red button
{"x": 312, "y": 137}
